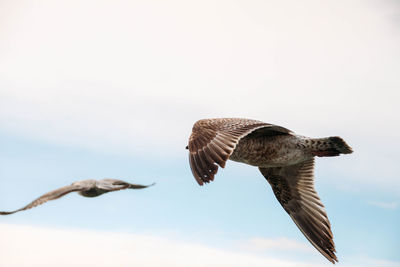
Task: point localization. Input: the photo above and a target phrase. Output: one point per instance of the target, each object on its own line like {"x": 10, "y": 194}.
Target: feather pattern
{"x": 293, "y": 187}
{"x": 213, "y": 140}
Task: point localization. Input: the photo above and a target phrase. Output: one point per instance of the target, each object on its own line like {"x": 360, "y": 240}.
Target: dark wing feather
{"x": 46, "y": 197}
{"x": 293, "y": 186}
{"x": 213, "y": 140}
{"x": 114, "y": 185}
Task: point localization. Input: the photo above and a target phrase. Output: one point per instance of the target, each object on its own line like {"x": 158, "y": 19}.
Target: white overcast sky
{"x": 133, "y": 76}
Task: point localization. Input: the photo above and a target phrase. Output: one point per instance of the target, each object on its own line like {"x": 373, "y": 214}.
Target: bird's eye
{"x": 187, "y": 147}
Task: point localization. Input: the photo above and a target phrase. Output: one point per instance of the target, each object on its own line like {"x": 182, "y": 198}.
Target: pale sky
{"x": 94, "y": 89}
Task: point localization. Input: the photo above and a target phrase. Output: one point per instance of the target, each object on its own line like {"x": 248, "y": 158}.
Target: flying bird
{"x": 285, "y": 159}
{"x": 86, "y": 188}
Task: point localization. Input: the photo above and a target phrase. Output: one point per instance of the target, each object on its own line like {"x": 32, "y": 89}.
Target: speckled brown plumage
{"x": 285, "y": 159}
{"x": 86, "y": 188}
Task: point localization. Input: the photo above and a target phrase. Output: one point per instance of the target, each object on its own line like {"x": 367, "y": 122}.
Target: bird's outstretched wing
{"x": 48, "y": 196}
{"x": 213, "y": 140}
{"x": 293, "y": 186}
{"x": 109, "y": 184}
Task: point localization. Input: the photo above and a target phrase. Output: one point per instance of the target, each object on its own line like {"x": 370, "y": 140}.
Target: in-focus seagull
{"x": 285, "y": 159}
{"x": 86, "y": 188}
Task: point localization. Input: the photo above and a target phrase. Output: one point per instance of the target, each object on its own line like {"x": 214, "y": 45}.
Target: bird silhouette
{"x": 285, "y": 159}
{"x": 86, "y": 188}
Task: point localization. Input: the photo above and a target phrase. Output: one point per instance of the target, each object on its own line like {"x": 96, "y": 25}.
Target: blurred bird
{"x": 285, "y": 159}
{"x": 86, "y": 188}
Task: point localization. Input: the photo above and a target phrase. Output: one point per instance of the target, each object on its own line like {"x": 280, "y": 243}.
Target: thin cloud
{"x": 385, "y": 205}
{"x": 45, "y": 247}
{"x": 39, "y": 246}
{"x": 281, "y": 244}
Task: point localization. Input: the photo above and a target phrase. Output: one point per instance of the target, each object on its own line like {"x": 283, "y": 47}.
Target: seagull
{"x": 285, "y": 159}
{"x": 86, "y": 188}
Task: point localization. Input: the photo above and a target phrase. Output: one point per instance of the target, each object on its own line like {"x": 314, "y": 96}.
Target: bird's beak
{"x": 187, "y": 147}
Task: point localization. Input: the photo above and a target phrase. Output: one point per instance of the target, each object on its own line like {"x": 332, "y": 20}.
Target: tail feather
{"x": 340, "y": 145}
{"x": 330, "y": 146}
